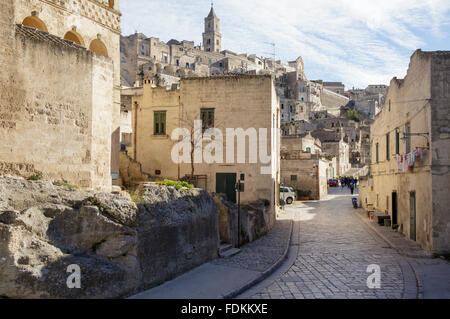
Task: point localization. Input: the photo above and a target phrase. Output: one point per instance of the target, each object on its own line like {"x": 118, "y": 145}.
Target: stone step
{"x": 224, "y": 247}
{"x": 230, "y": 253}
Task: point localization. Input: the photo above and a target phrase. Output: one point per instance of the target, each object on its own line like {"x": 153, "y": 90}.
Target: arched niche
{"x": 35, "y": 22}
{"x": 74, "y": 37}
{"x": 98, "y": 47}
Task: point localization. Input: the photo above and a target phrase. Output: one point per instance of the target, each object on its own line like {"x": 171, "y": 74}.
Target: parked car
{"x": 333, "y": 183}
{"x": 287, "y": 194}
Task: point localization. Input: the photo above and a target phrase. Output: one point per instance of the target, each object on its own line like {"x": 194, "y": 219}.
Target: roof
{"x": 36, "y": 34}
{"x": 212, "y": 13}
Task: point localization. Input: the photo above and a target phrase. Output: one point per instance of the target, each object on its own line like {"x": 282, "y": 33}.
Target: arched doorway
{"x": 74, "y": 37}
{"x": 98, "y": 47}
{"x": 35, "y": 22}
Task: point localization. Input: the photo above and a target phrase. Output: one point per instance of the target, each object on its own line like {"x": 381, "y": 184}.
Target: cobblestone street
{"x": 330, "y": 252}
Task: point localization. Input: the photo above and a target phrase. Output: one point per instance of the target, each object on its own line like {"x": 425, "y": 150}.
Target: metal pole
{"x": 239, "y": 214}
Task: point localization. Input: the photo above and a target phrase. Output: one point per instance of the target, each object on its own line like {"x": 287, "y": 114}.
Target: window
{"x": 208, "y": 41}
{"x": 408, "y": 137}
{"x": 178, "y": 62}
{"x": 282, "y": 106}
{"x": 217, "y": 42}
{"x": 377, "y": 159}
{"x": 293, "y": 178}
{"x": 388, "y": 155}
{"x": 159, "y": 123}
{"x": 123, "y": 59}
{"x": 397, "y": 141}
{"x": 207, "y": 117}
{"x": 308, "y": 150}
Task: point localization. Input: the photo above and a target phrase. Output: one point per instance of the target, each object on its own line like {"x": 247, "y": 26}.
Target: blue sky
{"x": 358, "y": 42}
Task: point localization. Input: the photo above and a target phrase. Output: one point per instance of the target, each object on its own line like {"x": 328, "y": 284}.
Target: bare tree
{"x": 195, "y": 136}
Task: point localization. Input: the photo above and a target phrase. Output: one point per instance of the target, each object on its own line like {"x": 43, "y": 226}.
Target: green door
{"x": 225, "y": 184}
{"x": 412, "y": 215}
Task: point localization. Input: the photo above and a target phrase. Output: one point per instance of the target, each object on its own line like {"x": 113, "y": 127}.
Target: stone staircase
{"x": 227, "y": 251}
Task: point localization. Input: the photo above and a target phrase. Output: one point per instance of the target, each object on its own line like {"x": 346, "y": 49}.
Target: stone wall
{"x": 63, "y": 132}
{"x": 331, "y": 100}
{"x": 121, "y": 247}
{"x": 440, "y": 137}
{"x": 255, "y": 221}
{"x": 92, "y": 20}
{"x": 310, "y": 175}
{"x": 420, "y": 100}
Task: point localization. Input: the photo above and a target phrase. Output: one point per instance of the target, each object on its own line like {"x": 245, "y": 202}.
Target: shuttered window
{"x": 207, "y": 117}
{"x": 159, "y": 123}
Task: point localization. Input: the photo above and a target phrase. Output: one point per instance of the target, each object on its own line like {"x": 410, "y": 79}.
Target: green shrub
{"x": 177, "y": 184}
{"x": 136, "y": 197}
{"x": 65, "y": 183}
{"x": 302, "y": 193}
{"x": 36, "y": 177}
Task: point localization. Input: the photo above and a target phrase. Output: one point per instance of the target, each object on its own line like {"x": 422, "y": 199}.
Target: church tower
{"x": 212, "y": 39}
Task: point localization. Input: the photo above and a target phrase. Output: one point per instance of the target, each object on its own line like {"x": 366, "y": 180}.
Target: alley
{"x": 330, "y": 252}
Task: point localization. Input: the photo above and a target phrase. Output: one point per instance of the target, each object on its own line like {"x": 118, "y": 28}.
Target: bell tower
{"x": 212, "y": 39}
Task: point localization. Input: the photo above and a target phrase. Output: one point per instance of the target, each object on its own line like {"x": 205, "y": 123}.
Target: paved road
{"x": 330, "y": 252}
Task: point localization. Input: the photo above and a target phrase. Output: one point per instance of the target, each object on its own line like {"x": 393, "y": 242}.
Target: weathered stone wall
{"x": 253, "y": 221}
{"x": 332, "y": 100}
{"x": 60, "y": 131}
{"x": 311, "y": 175}
{"x": 121, "y": 248}
{"x": 93, "y": 20}
{"x": 440, "y": 140}
{"x": 59, "y": 102}
{"x": 420, "y": 100}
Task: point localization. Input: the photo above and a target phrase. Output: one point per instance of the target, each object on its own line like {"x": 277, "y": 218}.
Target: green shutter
{"x": 155, "y": 123}
{"x": 387, "y": 147}
{"x": 159, "y": 123}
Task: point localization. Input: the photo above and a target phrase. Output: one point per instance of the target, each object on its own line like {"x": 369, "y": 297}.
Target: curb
{"x": 265, "y": 274}
{"x": 418, "y": 282}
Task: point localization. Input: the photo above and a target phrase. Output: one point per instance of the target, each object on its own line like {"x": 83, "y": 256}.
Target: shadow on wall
{"x": 256, "y": 220}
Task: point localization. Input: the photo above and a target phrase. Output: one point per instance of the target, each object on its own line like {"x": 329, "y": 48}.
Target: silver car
{"x": 287, "y": 194}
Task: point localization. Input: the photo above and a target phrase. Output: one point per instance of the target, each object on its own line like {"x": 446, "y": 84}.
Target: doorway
{"x": 226, "y": 184}
{"x": 412, "y": 215}
{"x": 394, "y": 209}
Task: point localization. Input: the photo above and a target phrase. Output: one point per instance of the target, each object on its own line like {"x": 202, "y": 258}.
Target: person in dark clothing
{"x": 352, "y": 187}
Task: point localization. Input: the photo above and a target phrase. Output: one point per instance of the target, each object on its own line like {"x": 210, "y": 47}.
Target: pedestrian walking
{"x": 352, "y": 187}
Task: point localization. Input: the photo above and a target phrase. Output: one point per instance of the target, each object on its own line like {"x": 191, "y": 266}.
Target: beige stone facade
{"x": 60, "y": 100}
{"x": 236, "y": 102}
{"x": 415, "y": 195}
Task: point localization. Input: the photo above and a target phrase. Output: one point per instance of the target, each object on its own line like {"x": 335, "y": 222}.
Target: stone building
{"x": 304, "y": 167}
{"x": 245, "y": 103}
{"x": 409, "y": 175}
{"x": 143, "y": 57}
{"x": 336, "y": 87}
{"x": 60, "y": 90}
{"x": 368, "y": 102}
{"x": 212, "y": 39}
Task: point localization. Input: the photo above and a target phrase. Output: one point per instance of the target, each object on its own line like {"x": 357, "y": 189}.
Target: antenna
{"x": 273, "y": 53}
